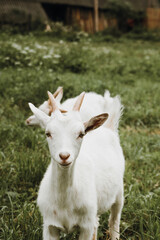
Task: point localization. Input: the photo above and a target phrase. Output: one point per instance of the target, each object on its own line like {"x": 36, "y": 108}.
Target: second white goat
{"x": 93, "y": 104}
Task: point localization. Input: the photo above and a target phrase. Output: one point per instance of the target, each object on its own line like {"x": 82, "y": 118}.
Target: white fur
{"x": 114, "y": 108}
{"x": 32, "y": 120}
{"x": 75, "y": 195}
{"x": 93, "y": 104}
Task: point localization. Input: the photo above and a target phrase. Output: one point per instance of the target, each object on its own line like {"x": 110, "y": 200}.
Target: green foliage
{"x": 143, "y": 34}
{"x": 119, "y": 9}
{"x": 74, "y": 59}
{"x": 123, "y": 10}
{"x": 116, "y": 35}
{"x": 68, "y": 33}
{"x": 31, "y": 65}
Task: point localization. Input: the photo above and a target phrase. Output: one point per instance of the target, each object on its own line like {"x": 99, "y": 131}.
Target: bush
{"x": 75, "y": 59}
{"x": 123, "y": 11}
{"x": 142, "y": 33}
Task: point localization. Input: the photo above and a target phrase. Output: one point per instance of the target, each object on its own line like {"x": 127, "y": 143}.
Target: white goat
{"x": 93, "y": 104}
{"x": 85, "y": 176}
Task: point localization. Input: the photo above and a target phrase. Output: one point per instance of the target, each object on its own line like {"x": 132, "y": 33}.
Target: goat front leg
{"x": 86, "y": 234}
{"x": 96, "y": 229}
{"x": 89, "y": 232}
{"x": 95, "y": 234}
{"x": 50, "y": 233}
{"x": 114, "y": 219}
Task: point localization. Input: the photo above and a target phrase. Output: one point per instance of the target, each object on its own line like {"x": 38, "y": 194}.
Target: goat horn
{"x": 79, "y": 101}
{"x": 52, "y": 102}
{"x": 59, "y": 89}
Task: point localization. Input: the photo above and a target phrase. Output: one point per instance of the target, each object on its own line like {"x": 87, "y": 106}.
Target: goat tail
{"x": 114, "y": 108}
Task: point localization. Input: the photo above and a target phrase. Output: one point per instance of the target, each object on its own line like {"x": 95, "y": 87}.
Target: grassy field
{"x": 34, "y": 63}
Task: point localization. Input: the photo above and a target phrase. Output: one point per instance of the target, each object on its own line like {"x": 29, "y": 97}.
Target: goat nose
{"x": 64, "y": 155}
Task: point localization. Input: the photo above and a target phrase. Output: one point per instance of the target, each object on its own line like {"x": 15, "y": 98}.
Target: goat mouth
{"x": 65, "y": 164}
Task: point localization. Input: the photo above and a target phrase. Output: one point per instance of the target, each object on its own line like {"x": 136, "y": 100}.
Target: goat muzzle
{"x": 64, "y": 156}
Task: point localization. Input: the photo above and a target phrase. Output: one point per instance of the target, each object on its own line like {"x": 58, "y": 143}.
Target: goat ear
{"x": 78, "y": 102}
{"x": 41, "y": 116}
{"x": 58, "y": 94}
{"x": 95, "y": 122}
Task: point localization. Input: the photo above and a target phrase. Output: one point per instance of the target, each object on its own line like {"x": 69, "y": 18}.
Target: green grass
{"x": 32, "y": 64}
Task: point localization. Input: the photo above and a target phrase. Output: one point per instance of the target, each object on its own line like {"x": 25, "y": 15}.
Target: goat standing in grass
{"x": 85, "y": 176}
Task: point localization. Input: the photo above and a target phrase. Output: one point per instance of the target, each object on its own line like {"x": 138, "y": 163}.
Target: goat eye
{"x": 81, "y": 135}
{"x": 48, "y": 134}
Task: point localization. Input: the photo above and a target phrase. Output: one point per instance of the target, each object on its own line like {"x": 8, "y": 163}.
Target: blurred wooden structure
{"x": 84, "y": 18}
{"x": 96, "y": 15}
{"x": 79, "y": 13}
{"x": 88, "y": 15}
{"x": 153, "y": 18}
{"x": 153, "y": 15}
